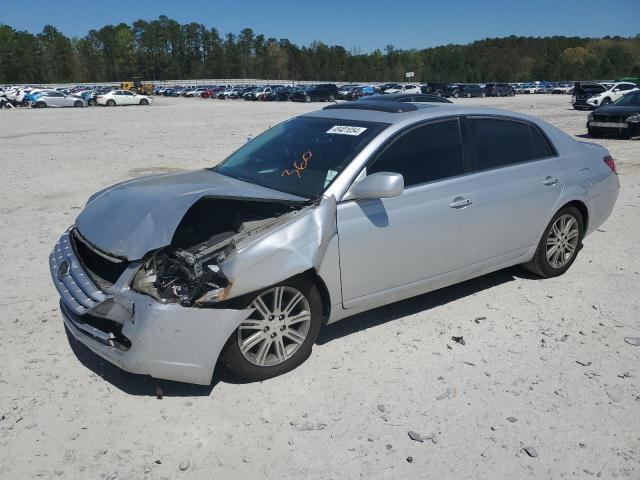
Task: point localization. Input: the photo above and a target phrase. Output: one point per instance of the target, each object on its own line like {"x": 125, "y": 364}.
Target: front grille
{"x": 99, "y": 265}
{"x": 607, "y": 118}
{"x": 77, "y": 289}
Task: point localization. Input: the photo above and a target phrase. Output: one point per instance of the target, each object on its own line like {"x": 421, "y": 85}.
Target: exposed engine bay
{"x": 188, "y": 271}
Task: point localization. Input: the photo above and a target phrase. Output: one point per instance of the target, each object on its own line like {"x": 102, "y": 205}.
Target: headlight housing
{"x": 635, "y": 118}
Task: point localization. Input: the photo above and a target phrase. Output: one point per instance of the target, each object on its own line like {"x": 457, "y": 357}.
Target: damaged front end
{"x": 188, "y": 271}
{"x": 168, "y": 313}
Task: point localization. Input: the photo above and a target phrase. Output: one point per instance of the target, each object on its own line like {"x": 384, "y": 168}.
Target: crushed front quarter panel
{"x": 288, "y": 250}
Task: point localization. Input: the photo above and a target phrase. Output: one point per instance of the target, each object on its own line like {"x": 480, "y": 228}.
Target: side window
{"x": 424, "y": 154}
{"x": 541, "y": 147}
{"x": 495, "y": 143}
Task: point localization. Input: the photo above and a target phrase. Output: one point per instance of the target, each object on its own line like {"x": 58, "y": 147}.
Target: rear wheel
{"x": 559, "y": 244}
{"x": 456, "y": 94}
{"x": 307, "y": 99}
{"x": 111, "y": 103}
{"x": 594, "y": 133}
{"x": 92, "y": 103}
{"x": 278, "y": 336}
{"x": 484, "y": 94}
{"x": 468, "y": 94}
{"x": 331, "y": 98}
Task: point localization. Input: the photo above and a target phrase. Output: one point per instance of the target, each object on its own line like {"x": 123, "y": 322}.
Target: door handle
{"x": 550, "y": 181}
{"x": 460, "y": 202}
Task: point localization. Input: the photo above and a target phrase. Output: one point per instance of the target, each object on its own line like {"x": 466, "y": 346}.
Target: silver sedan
{"x": 51, "y": 98}
{"x": 322, "y": 216}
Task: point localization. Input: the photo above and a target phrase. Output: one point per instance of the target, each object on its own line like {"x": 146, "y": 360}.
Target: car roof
{"x": 357, "y": 111}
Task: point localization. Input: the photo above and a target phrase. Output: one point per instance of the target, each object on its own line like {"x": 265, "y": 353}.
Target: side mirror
{"x": 376, "y": 185}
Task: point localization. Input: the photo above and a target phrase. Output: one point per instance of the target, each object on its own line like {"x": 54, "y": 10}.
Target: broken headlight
{"x": 179, "y": 277}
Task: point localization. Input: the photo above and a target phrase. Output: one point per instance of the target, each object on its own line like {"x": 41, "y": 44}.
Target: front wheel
{"x": 559, "y": 244}
{"x": 78, "y": 104}
{"x": 307, "y": 99}
{"x": 40, "y": 105}
{"x": 331, "y": 98}
{"x": 279, "y": 334}
{"x": 144, "y": 101}
{"x": 92, "y": 103}
{"x": 605, "y": 101}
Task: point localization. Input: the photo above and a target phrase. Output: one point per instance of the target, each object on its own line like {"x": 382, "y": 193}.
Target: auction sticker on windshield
{"x": 346, "y": 130}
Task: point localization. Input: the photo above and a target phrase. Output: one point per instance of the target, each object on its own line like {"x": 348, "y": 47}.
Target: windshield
{"x": 300, "y": 156}
{"x": 629, "y": 100}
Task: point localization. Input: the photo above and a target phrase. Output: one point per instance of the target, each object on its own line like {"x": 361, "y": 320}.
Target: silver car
{"x": 323, "y": 216}
{"x": 52, "y": 98}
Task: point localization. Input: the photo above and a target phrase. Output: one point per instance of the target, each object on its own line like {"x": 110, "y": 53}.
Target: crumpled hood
{"x": 132, "y": 218}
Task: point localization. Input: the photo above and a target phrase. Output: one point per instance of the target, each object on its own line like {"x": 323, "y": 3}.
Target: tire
{"x": 513, "y": 93}
{"x": 92, "y": 103}
{"x": 484, "y": 94}
{"x": 332, "y": 98}
{"x": 498, "y": 93}
{"x": 78, "y": 104}
{"x": 573, "y": 232}
{"x": 307, "y": 99}
{"x": 456, "y": 94}
{"x": 144, "y": 101}
{"x": 605, "y": 101}
{"x": 263, "y": 350}
{"x": 111, "y": 103}
{"x": 40, "y": 105}
{"x": 594, "y": 133}
{"x": 468, "y": 94}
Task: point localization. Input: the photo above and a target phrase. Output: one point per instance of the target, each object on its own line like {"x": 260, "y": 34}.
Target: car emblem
{"x": 63, "y": 268}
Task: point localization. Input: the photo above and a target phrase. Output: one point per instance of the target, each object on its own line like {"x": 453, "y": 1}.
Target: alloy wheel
{"x": 277, "y": 328}
{"x": 562, "y": 241}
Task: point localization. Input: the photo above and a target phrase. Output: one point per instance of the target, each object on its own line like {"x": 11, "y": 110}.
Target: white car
{"x": 122, "y": 97}
{"x": 614, "y": 92}
{"x": 399, "y": 88}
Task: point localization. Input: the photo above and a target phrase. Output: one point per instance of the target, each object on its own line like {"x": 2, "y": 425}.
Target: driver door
{"x": 392, "y": 243}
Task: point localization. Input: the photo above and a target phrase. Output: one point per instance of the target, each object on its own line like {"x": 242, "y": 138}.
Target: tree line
{"x": 164, "y": 49}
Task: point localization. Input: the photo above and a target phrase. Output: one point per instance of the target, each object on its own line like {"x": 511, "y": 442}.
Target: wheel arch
{"x": 313, "y": 276}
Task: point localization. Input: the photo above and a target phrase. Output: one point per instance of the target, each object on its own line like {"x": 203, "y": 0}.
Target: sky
{"x": 361, "y": 24}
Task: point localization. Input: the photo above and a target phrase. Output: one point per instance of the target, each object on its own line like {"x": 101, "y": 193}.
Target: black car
{"x": 406, "y": 97}
{"x": 316, "y": 93}
{"x": 469, "y": 90}
{"x": 440, "y": 89}
{"x": 621, "y": 117}
{"x": 278, "y": 94}
{"x": 499, "y": 90}
{"x": 582, "y": 91}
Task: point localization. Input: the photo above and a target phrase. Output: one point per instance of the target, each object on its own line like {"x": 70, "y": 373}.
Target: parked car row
{"x": 79, "y": 96}
{"x": 620, "y": 117}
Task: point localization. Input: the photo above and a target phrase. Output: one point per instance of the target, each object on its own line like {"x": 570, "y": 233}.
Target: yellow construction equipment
{"x": 136, "y": 86}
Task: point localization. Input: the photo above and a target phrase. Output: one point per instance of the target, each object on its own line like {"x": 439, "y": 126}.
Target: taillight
{"x": 611, "y": 163}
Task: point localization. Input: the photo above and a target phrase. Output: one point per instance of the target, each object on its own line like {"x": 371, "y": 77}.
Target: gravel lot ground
{"x": 346, "y": 412}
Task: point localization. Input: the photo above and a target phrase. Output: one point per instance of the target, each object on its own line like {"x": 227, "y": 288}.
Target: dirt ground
{"x": 548, "y": 353}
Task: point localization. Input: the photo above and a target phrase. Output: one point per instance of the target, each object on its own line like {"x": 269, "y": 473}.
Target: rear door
{"x": 514, "y": 181}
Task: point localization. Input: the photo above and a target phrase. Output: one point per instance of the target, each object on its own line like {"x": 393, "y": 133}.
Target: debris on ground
{"x": 381, "y": 408}
{"x": 421, "y": 438}
{"x": 410, "y": 459}
{"x": 459, "y": 340}
{"x": 512, "y": 419}
{"x": 635, "y": 341}
{"x": 183, "y": 466}
{"x": 531, "y": 451}
{"x": 479, "y": 319}
{"x": 446, "y": 394}
{"x": 308, "y": 426}
{"x": 584, "y": 364}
